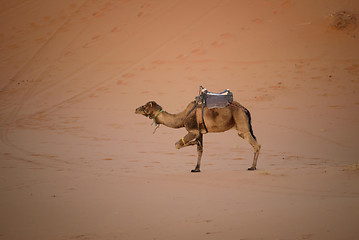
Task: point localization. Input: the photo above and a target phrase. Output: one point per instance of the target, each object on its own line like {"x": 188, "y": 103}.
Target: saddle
{"x": 216, "y": 100}
{"x": 212, "y": 100}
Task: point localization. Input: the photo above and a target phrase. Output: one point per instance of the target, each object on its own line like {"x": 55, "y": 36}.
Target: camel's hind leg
{"x": 189, "y": 140}
{"x": 256, "y": 147}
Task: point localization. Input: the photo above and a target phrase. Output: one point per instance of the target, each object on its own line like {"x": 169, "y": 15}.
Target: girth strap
{"x": 204, "y": 125}
{"x": 199, "y": 98}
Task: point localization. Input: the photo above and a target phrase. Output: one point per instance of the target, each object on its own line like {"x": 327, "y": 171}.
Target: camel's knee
{"x": 186, "y": 141}
{"x": 179, "y": 144}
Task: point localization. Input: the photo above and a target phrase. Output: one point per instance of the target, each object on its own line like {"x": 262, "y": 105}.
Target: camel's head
{"x": 149, "y": 109}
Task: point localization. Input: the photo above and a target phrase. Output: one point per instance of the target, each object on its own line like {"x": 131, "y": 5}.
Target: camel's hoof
{"x": 252, "y": 168}
{"x": 195, "y": 170}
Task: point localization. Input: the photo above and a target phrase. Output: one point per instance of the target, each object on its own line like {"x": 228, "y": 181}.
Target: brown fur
{"x": 234, "y": 116}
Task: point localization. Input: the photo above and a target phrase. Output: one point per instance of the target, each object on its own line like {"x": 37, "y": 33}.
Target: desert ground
{"x": 77, "y": 163}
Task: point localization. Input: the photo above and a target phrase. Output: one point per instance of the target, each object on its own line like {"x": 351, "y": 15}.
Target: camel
{"x": 233, "y": 116}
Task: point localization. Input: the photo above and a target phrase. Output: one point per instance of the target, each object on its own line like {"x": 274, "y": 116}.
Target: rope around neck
{"x": 154, "y": 118}
{"x": 154, "y": 121}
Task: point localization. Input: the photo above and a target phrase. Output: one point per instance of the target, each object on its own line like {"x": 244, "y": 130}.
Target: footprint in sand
{"x": 101, "y": 12}
{"x": 226, "y": 35}
{"x": 217, "y": 43}
{"x": 141, "y": 14}
{"x": 121, "y": 82}
{"x": 198, "y": 51}
{"x": 115, "y": 125}
{"x": 336, "y": 106}
{"x": 128, "y": 75}
{"x": 182, "y": 57}
{"x": 69, "y": 53}
{"x": 116, "y": 29}
{"x": 257, "y": 20}
{"x": 353, "y": 69}
{"x": 84, "y": 236}
{"x": 290, "y": 108}
{"x": 169, "y": 153}
{"x": 93, "y": 41}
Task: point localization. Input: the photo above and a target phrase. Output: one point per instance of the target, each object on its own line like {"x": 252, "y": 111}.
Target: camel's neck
{"x": 171, "y": 120}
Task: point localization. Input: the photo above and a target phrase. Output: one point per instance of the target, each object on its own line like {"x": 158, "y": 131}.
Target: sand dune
{"x": 77, "y": 163}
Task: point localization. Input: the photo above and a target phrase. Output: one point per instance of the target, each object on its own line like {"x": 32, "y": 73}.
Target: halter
{"x": 154, "y": 118}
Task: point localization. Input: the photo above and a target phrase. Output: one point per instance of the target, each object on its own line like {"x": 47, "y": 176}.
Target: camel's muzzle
{"x": 140, "y": 110}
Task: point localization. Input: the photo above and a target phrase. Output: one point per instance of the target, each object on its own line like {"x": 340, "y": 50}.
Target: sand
{"x": 77, "y": 163}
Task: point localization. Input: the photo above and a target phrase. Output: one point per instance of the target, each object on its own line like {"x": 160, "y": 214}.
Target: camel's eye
{"x": 146, "y": 109}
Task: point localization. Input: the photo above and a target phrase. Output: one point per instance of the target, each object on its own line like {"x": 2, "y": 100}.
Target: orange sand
{"x": 77, "y": 163}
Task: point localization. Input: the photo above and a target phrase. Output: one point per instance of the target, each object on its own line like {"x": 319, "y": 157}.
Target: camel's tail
{"x": 250, "y": 124}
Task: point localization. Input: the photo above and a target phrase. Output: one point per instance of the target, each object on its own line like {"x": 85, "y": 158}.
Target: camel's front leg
{"x": 199, "y": 142}
{"x": 189, "y": 140}
{"x": 186, "y": 141}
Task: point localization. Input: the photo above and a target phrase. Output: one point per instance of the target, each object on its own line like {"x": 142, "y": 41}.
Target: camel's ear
{"x": 150, "y": 104}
